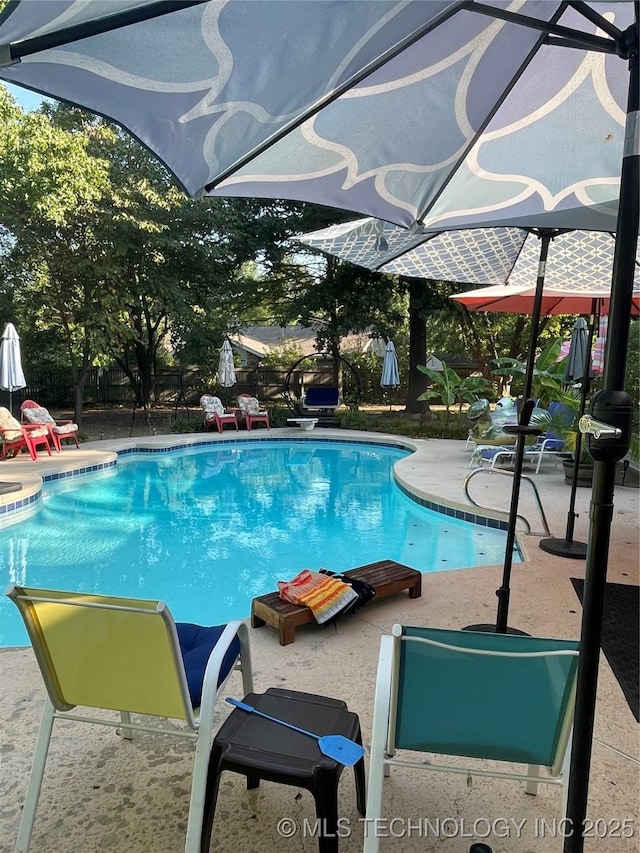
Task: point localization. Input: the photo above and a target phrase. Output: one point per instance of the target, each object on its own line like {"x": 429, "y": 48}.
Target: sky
{"x": 27, "y": 100}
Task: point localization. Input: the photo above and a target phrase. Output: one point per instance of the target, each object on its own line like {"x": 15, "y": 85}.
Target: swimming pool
{"x": 207, "y": 529}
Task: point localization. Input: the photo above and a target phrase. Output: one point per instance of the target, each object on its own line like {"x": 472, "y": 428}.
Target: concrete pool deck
{"x": 103, "y": 794}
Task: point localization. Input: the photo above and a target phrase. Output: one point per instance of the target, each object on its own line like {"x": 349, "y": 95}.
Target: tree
{"x": 50, "y": 188}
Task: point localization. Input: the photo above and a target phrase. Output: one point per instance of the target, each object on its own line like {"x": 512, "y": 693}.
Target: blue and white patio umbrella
{"x": 390, "y": 375}
{"x": 444, "y": 112}
{"x": 390, "y": 379}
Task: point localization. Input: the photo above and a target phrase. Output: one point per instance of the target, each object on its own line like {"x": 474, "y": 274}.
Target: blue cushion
{"x": 196, "y": 645}
{"x": 318, "y": 396}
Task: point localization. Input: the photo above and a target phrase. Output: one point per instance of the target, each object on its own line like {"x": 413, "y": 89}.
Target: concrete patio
{"x": 101, "y": 793}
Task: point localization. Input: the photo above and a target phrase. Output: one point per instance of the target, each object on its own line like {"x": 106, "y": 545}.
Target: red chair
{"x": 59, "y": 430}
{"x": 251, "y": 411}
{"x": 15, "y": 436}
{"x": 214, "y": 413}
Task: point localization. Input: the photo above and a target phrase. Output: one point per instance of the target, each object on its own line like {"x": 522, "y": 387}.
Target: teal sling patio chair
{"x": 128, "y": 656}
{"x": 500, "y": 697}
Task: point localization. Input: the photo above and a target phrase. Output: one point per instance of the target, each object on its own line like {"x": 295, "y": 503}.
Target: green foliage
{"x": 282, "y": 357}
{"x": 452, "y": 389}
{"x": 180, "y": 427}
{"x": 353, "y": 419}
{"x": 278, "y": 414}
{"x": 548, "y": 372}
{"x": 563, "y": 421}
{"x": 397, "y": 424}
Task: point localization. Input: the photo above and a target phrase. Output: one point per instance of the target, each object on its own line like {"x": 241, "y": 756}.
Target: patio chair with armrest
{"x": 128, "y": 656}
{"x": 500, "y": 697}
{"x": 215, "y": 414}
{"x": 492, "y": 455}
{"x": 251, "y": 411}
{"x": 14, "y": 436}
{"x": 59, "y": 430}
{"x": 551, "y": 444}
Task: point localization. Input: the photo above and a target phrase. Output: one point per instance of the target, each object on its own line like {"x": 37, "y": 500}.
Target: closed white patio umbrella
{"x": 226, "y": 371}
{"x": 11, "y": 374}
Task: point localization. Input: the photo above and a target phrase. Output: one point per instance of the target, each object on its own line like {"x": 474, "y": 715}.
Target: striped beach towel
{"x": 325, "y": 596}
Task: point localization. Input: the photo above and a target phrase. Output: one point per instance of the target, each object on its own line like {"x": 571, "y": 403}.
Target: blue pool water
{"x": 208, "y": 529}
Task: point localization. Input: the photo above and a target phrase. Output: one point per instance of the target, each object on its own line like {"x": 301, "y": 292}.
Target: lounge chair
{"x": 59, "y": 430}
{"x": 251, "y": 412}
{"x": 555, "y": 422}
{"x": 499, "y": 697}
{"x": 14, "y": 436}
{"x": 214, "y": 413}
{"x": 492, "y": 455}
{"x": 128, "y": 656}
{"x": 546, "y": 447}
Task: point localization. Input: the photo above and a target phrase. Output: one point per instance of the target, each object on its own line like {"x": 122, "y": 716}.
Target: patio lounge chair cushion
{"x": 250, "y": 405}
{"x": 40, "y": 415}
{"x": 212, "y": 406}
{"x": 196, "y": 645}
{"x": 251, "y": 411}
{"x": 11, "y": 428}
{"x": 59, "y": 430}
{"x": 214, "y": 413}
{"x": 14, "y": 436}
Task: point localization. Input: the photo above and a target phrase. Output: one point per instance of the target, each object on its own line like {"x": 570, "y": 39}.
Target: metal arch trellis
{"x": 294, "y": 404}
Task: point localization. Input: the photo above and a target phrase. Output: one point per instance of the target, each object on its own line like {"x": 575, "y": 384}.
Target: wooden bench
{"x": 386, "y": 576}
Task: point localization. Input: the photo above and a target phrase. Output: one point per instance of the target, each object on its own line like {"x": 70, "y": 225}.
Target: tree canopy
{"x": 103, "y": 260}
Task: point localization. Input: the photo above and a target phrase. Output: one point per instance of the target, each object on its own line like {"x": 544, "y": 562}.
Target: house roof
{"x": 260, "y": 340}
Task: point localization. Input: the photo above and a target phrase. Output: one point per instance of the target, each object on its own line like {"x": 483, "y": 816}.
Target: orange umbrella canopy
{"x": 519, "y": 300}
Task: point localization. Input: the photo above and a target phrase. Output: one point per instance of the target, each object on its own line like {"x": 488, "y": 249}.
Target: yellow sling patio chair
{"x": 128, "y": 656}
{"x": 500, "y": 697}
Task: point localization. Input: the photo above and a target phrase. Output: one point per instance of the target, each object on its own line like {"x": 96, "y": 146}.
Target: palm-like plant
{"x": 454, "y": 389}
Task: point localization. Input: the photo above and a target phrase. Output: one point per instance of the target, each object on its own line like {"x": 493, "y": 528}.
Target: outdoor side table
{"x": 304, "y": 424}
{"x": 262, "y": 749}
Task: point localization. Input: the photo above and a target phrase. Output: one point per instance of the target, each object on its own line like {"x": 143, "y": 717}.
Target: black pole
{"x": 613, "y": 406}
{"x": 521, "y": 430}
{"x": 567, "y": 547}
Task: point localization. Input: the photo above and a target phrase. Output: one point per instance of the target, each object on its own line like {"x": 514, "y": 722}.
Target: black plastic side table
{"x": 262, "y": 749}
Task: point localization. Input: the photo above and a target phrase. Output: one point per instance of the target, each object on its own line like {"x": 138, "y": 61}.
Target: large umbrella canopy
{"x": 479, "y": 255}
{"x": 519, "y": 300}
{"x": 11, "y": 374}
{"x": 577, "y": 269}
{"x": 226, "y": 370}
{"x": 577, "y": 279}
{"x": 390, "y": 375}
{"x": 408, "y": 111}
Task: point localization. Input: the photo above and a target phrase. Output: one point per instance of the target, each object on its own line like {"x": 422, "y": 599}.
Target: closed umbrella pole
{"x": 11, "y": 373}
{"x": 390, "y": 378}
{"x": 226, "y": 375}
{"x": 578, "y": 368}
